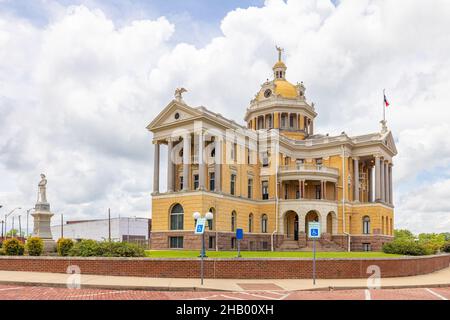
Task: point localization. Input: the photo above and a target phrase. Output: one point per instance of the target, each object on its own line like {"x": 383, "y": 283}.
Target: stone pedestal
{"x": 42, "y": 218}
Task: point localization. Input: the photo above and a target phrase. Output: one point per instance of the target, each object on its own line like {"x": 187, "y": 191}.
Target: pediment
{"x": 174, "y": 112}
{"x": 390, "y": 142}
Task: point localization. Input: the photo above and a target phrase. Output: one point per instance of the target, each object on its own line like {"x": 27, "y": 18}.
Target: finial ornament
{"x": 384, "y": 127}
{"x": 179, "y": 94}
{"x": 280, "y": 50}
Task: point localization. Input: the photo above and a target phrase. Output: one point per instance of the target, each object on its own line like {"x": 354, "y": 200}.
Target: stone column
{"x": 377, "y": 179}
{"x": 322, "y": 196}
{"x": 356, "y": 179}
{"x": 201, "y": 162}
{"x": 369, "y": 185}
{"x": 186, "y": 161}
{"x": 311, "y": 128}
{"x": 386, "y": 182}
{"x": 156, "y": 168}
{"x": 217, "y": 165}
{"x": 170, "y": 167}
{"x": 303, "y": 189}
{"x": 300, "y": 189}
{"x": 382, "y": 182}
{"x": 325, "y": 190}
{"x": 391, "y": 194}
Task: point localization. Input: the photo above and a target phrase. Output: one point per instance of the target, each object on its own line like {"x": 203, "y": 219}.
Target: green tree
{"x": 404, "y": 234}
{"x": 14, "y": 233}
{"x": 433, "y": 242}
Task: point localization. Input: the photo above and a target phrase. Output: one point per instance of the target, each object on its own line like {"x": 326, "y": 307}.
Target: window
{"x": 300, "y": 161}
{"x": 176, "y": 217}
{"x": 250, "y": 222}
{"x": 297, "y": 194}
{"x": 283, "y": 121}
{"x": 291, "y": 121}
{"x": 176, "y": 242}
{"x": 211, "y": 242}
{"x": 265, "y": 190}
{"x": 367, "y": 247}
{"x": 212, "y": 181}
{"x": 233, "y": 151}
{"x": 233, "y": 221}
{"x": 250, "y": 188}
{"x": 366, "y": 225}
{"x": 213, "y": 153}
{"x": 265, "y": 159}
{"x": 195, "y": 181}
{"x": 319, "y": 162}
{"x": 181, "y": 183}
{"x": 287, "y": 161}
{"x": 264, "y": 223}
{"x": 232, "y": 184}
{"x": 318, "y": 192}
{"x": 286, "y": 191}
{"x": 211, "y": 222}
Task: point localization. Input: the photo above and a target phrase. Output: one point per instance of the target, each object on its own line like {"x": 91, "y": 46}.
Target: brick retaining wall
{"x": 282, "y": 268}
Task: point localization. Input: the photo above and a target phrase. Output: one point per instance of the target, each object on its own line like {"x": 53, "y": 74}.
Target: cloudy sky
{"x": 80, "y": 80}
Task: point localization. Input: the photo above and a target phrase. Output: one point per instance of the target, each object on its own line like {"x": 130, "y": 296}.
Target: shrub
{"x": 433, "y": 242}
{"x": 35, "y": 246}
{"x": 406, "y": 247}
{"x": 85, "y": 248}
{"x": 92, "y": 248}
{"x": 13, "y": 247}
{"x": 446, "y": 247}
{"x": 63, "y": 246}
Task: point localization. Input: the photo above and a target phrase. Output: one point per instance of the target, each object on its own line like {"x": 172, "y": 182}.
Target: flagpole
{"x": 384, "y": 107}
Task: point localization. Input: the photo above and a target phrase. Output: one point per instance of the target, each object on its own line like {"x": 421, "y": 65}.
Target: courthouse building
{"x": 270, "y": 177}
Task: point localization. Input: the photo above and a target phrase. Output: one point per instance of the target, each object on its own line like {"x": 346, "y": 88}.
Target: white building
{"x": 122, "y": 229}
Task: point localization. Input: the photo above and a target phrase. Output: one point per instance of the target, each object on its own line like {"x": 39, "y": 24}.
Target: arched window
{"x": 233, "y": 221}
{"x": 211, "y": 222}
{"x": 176, "y": 217}
{"x": 366, "y": 225}
{"x": 250, "y": 222}
{"x": 264, "y": 223}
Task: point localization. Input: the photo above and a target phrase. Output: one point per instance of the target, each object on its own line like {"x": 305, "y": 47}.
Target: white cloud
{"x": 75, "y": 95}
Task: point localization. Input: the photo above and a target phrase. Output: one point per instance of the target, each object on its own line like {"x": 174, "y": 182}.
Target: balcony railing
{"x": 313, "y": 168}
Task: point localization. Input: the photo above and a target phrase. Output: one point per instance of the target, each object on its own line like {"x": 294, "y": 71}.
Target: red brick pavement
{"x": 10, "y": 292}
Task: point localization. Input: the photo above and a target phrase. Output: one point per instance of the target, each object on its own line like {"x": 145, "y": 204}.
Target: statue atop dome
{"x": 280, "y": 50}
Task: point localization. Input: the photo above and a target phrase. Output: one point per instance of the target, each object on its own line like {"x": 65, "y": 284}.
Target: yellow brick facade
{"x": 309, "y": 176}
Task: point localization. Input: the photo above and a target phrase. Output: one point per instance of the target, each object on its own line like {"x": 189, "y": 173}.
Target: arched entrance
{"x": 331, "y": 223}
{"x": 291, "y": 225}
{"x": 311, "y": 216}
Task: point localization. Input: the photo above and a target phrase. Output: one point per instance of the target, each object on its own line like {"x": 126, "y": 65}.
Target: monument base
{"x": 42, "y": 228}
{"x": 49, "y": 245}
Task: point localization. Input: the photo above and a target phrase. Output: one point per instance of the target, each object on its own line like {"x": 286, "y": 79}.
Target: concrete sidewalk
{"x": 437, "y": 279}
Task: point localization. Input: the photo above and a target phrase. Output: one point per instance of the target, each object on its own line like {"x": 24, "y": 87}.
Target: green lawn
{"x": 264, "y": 254}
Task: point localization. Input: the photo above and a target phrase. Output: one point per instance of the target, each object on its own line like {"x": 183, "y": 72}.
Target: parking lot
{"x": 11, "y": 292}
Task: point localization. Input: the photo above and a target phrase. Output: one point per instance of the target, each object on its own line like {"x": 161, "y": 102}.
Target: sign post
{"x": 239, "y": 237}
{"x": 314, "y": 233}
{"x": 200, "y": 229}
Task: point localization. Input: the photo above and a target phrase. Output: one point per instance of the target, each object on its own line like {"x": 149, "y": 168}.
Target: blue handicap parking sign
{"x": 314, "y": 232}
{"x": 239, "y": 234}
{"x": 200, "y": 228}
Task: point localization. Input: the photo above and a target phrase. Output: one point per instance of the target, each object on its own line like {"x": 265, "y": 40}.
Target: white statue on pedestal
{"x": 42, "y": 193}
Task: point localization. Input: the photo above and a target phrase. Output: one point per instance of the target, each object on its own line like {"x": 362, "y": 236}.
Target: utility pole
{"x": 62, "y": 225}
{"x": 20, "y": 228}
{"x": 109, "y": 224}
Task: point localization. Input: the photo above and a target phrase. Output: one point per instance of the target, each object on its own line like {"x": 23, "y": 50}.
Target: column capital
{"x": 377, "y": 156}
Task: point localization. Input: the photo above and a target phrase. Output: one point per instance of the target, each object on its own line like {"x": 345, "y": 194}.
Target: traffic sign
{"x": 200, "y": 226}
{"x": 314, "y": 230}
{"x": 239, "y": 234}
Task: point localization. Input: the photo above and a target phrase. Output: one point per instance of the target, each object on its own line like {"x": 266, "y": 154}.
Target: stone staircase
{"x": 322, "y": 245}
{"x": 289, "y": 245}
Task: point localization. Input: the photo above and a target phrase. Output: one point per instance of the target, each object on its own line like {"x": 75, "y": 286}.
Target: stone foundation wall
{"x": 356, "y": 242}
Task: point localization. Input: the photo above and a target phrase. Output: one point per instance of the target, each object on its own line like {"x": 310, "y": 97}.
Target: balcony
{"x": 308, "y": 171}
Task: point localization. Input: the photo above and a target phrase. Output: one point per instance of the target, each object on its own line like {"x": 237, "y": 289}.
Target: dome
{"x": 283, "y": 88}
{"x": 279, "y": 64}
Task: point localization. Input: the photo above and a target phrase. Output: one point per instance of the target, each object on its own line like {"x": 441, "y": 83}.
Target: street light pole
{"x": 208, "y": 216}
{"x": 28, "y": 214}
{"x": 20, "y": 228}
{"x": 7, "y": 215}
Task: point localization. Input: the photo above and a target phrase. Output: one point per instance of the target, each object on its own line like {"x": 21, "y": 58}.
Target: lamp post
{"x": 28, "y": 215}
{"x": 7, "y": 215}
{"x": 208, "y": 216}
